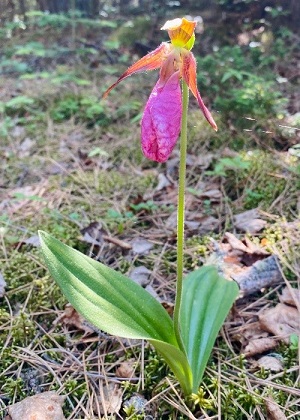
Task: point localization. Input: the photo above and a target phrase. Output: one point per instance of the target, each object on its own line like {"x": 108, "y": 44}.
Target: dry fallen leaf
{"x": 282, "y": 321}
{"x": 290, "y": 296}
{"x": 208, "y": 224}
{"x": 71, "y": 317}
{"x": 235, "y": 243}
{"x": 274, "y": 412}
{"x": 45, "y": 406}
{"x": 171, "y": 221}
{"x": 93, "y": 233}
{"x": 260, "y": 345}
{"x": 110, "y": 399}
{"x": 271, "y": 363}
{"x": 33, "y": 241}
{"x": 169, "y": 307}
{"x": 249, "y": 332}
{"x": 141, "y": 246}
{"x": 254, "y": 340}
{"x": 191, "y": 225}
{"x": 126, "y": 369}
{"x": 163, "y": 182}
{"x": 249, "y": 221}
{"x": 214, "y": 195}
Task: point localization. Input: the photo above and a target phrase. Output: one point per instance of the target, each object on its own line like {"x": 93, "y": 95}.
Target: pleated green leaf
{"x": 206, "y": 300}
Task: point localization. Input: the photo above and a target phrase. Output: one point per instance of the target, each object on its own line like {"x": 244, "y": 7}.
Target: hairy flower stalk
{"x": 180, "y": 212}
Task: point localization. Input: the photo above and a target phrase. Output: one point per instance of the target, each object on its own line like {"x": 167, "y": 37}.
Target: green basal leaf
{"x": 178, "y": 362}
{"x": 106, "y": 298}
{"x": 114, "y": 303}
{"x": 206, "y": 300}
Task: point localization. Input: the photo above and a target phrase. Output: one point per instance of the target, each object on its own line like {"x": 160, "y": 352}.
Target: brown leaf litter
{"x": 196, "y": 219}
{"x": 282, "y": 321}
{"x": 71, "y": 317}
{"x": 274, "y": 412}
{"x": 96, "y": 235}
{"x": 109, "y": 400}
{"x": 249, "y": 221}
{"x": 126, "y": 369}
{"x": 274, "y": 325}
{"x": 31, "y": 199}
{"x": 141, "y": 246}
{"x": 290, "y": 296}
{"x": 255, "y": 269}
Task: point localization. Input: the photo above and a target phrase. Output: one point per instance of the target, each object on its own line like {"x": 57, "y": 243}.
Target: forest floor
{"x": 71, "y": 165}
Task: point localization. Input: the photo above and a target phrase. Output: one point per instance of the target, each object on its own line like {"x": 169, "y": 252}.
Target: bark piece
{"x": 251, "y": 266}
{"x": 262, "y": 273}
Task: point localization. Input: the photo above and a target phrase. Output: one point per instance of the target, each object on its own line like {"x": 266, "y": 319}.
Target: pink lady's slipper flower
{"x": 162, "y": 115}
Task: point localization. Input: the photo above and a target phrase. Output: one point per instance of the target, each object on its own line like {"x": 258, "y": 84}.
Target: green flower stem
{"x": 180, "y": 211}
